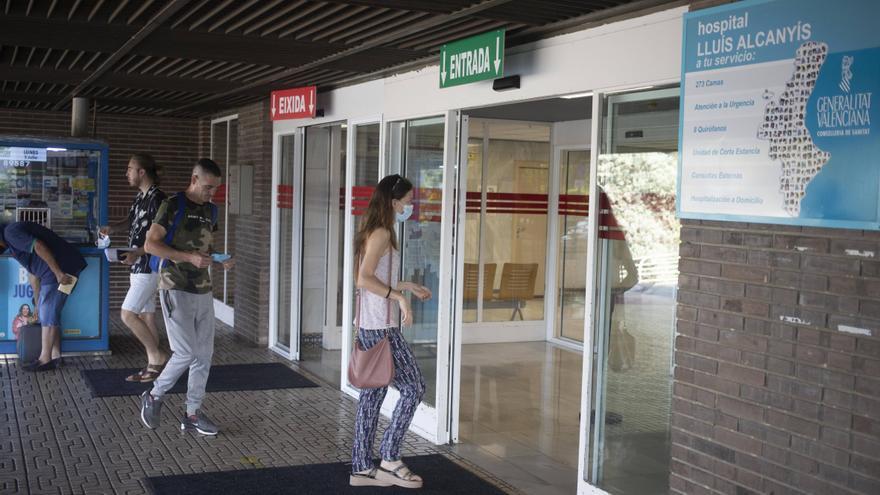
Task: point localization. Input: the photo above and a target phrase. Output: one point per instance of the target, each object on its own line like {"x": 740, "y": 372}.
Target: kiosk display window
{"x": 59, "y": 180}
{"x": 61, "y": 184}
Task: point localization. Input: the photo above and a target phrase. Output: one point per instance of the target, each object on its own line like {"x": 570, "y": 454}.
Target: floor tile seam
{"x": 83, "y": 421}
{"x": 239, "y": 446}
{"x": 41, "y": 384}
{"x": 131, "y": 448}
{"x": 325, "y": 387}
{"x": 338, "y": 393}
{"x": 310, "y": 405}
{"x": 201, "y": 446}
{"x": 8, "y": 366}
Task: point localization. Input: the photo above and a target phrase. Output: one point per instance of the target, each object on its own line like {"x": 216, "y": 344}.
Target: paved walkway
{"x": 55, "y": 438}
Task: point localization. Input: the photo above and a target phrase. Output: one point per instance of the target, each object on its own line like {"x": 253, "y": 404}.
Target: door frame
{"x": 284, "y": 350}
{"x": 551, "y": 293}
{"x": 480, "y": 332}
{"x": 594, "y": 316}
{"x": 350, "y": 226}
{"x": 590, "y": 302}
{"x": 296, "y": 264}
{"x": 598, "y": 280}
{"x": 430, "y": 422}
{"x": 334, "y": 214}
{"x": 223, "y": 311}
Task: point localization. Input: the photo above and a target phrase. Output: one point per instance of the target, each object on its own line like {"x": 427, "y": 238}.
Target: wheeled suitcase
{"x": 30, "y": 342}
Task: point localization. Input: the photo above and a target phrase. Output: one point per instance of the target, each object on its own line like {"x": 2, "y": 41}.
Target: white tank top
{"x": 376, "y": 312}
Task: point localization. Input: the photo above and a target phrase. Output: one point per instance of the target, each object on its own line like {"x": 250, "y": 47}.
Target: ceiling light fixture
{"x": 578, "y": 95}
{"x": 628, "y": 90}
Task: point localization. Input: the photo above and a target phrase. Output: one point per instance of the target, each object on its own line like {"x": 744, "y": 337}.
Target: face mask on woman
{"x": 405, "y": 214}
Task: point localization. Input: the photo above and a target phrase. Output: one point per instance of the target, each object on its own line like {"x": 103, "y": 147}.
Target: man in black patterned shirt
{"x": 139, "y": 307}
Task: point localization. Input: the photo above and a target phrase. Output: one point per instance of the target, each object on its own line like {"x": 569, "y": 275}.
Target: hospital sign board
{"x": 777, "y": 119}
{"x": 468, "y": 60}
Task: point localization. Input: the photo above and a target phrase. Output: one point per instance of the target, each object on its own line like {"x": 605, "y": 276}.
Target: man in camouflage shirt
{"x": 186, "y": 295}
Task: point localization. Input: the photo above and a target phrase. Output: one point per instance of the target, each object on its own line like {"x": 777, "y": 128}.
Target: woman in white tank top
{"x": 381, "y": 307}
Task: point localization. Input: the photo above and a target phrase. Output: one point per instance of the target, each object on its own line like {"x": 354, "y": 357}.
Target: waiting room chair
{"x": 472, "y": 281}
{"x": 518, "y": 285}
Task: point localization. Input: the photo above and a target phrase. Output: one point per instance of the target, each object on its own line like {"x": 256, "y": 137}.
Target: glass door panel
{"x": 636, "y": 286}
{"x": 219, "y": 149}
{"x": 364, "y": 174}
{"x": 574, "y": 186}
{"x": 284, "y": 239}
{"x": 506, "y": 222}
{"x": 473, "y": 280}
{"x": 420, "y": 150}
{"x": 420, "y": 159}
{"x": 319, "y": 335}
{"x": 229, "y": 276}
{"x": 224, "y": 152}
{"x": 515, "y": 232}
{"x": 336, "y": 213}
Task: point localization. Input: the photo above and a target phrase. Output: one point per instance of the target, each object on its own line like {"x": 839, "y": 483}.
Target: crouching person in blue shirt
{"x": 54, "y": 265}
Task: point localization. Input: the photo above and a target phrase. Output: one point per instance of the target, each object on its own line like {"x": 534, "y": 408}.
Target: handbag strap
{"x": 357, "y": 321}
{"x": 388, "y": 300}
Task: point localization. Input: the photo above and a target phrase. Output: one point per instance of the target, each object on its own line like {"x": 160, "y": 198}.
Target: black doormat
{"x": 440, "y": 474}
{"x": 227, "y": 378}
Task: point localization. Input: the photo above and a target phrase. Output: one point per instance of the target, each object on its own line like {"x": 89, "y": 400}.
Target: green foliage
{"x": 641, "y": 188}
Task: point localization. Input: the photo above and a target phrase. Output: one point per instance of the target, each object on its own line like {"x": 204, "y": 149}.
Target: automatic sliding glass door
{"x": 571, "y": 254}
{"x": 637, "y": 252}
{"x": 224, "y": 151}
{"x": 505, "y": 230}
{"x": 320, "y": 248}
{"x": 422, "y": 151}
{"x": 282, "y": 272}
{"x": 362, "y": 173}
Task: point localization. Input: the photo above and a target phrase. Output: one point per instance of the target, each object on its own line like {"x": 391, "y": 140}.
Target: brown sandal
{"x": 146, "y": 375}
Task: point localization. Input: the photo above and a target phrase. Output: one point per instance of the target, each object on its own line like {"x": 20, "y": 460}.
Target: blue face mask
{"x": 405, "y": 214}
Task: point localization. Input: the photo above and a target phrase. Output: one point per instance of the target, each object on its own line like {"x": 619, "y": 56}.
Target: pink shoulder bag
{"x": 373, "y": 367}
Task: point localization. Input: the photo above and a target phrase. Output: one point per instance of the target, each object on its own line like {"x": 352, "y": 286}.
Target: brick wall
{"x": 173, "y": 142}
{"x": 177, "y": 144}
{"x": 776, "y": 389}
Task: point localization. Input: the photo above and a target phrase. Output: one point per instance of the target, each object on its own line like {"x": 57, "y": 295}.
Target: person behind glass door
{"x": 139, "y": 307}
{"x": 380, "y": 297}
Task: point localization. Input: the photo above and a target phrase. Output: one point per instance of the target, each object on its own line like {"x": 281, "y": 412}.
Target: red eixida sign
{"x": 294, "y": 103}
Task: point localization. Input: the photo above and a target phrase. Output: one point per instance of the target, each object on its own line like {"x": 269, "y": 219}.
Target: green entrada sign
{"x": 472, "y": 59}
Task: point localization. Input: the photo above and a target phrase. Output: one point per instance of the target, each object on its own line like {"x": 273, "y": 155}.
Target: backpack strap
{"x": 155, "y": 261}
{"x": 178, "y": 217}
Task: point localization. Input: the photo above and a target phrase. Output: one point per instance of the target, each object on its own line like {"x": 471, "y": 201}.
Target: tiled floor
{"x": 519, "y": 414}
{"x": 636, "y": 449}
{"x": 520, "y": 404}
{"x": 55, "y": 438}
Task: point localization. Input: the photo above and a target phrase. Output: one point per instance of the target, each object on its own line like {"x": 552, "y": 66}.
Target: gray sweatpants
{"x": 189, "y": 321}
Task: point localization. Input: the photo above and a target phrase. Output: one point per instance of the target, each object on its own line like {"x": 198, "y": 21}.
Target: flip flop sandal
{"x": 137, "y": 377}
{"x": 146, "y": 375}
{"x": 406, "y": 479}
{"x": 366, "y": 479}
